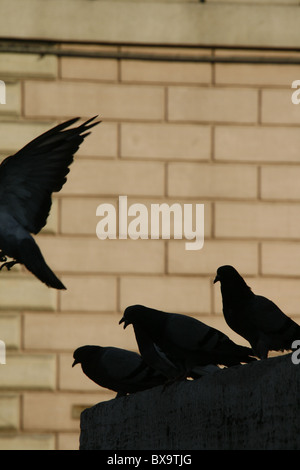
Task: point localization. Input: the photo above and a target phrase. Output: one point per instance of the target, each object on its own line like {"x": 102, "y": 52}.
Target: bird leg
{"x": 7, "y": 264}
{"x": 262, "y": 346}
{"x": 2, "y": 256}
{"x": 120, "y": 394}
{"x": 173, "y": 380}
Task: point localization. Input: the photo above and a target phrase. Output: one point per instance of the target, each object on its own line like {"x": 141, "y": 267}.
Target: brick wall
{"x": 226, "y": 135}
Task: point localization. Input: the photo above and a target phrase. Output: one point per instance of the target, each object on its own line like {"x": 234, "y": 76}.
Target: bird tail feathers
{"x": 32, "y": 258}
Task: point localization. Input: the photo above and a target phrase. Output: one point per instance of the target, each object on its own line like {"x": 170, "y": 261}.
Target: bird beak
{"x": 123, "y": 321}
{"x": 74, "y": 363}
{"x": 216, "y": 279}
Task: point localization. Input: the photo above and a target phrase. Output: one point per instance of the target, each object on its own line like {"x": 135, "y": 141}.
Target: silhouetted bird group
{"x": 172, "y": 346}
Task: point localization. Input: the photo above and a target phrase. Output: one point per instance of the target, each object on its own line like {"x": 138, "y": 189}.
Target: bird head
{"x": 226, "y": 272}
{"x": 130, "y": 315}
{"x": 76, "y": 358}
{"x": 82, "y": 353}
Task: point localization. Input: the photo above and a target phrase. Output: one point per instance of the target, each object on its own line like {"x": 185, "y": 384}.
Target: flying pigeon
{"x": 27, "y": 180}
{"x": 117, "y": 369}
{"x": 187, "y": 342}
{"x": 254, "y": 317}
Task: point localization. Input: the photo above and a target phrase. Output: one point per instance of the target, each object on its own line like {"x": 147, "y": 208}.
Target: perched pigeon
{"x": 188, "y": 343}
{"x": 254, "y": 317}
{"x": 117, "y": 369}
{"x": 27, "y": 181}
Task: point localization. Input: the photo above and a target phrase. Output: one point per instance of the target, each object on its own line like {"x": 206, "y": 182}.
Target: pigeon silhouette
{"x": 186, "y": 342}
{"x": 254, "y": 317}
{"x": 117, "y": 369}
{"x": 27, "y": 180}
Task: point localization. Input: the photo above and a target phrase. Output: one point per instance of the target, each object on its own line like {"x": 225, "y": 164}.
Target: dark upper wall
{"x": 158, "y": 22}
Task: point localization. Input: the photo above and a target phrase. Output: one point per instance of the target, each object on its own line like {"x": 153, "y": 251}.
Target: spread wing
{"x": 29, "y": 177}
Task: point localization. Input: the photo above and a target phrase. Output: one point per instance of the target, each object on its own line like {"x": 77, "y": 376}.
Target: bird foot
{"x": 7, "y": 264}
{"x": 173, "y": 380}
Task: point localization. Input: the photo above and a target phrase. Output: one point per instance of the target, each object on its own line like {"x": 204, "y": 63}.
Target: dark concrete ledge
{"x": 254, "y": 406}
{"x": 132, "y": 22}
